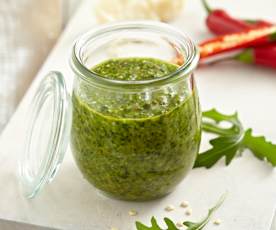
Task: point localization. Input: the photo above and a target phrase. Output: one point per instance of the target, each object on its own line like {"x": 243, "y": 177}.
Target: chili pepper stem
{"x": 246, "y": 56}
{"x": 206, "y": 6}
{"x": 214, "y": 62}
{"x": 250, "y": 21}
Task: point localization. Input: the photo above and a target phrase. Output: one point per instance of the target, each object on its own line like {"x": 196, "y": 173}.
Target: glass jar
{"x": 132, "y": 139}
{"x": 135, "y": 139}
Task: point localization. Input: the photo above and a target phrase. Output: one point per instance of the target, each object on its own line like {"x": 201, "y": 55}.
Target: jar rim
{"x": 92, "y": 77}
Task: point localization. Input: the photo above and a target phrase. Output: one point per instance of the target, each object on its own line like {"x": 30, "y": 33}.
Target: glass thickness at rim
{"x": 191, "y": 59}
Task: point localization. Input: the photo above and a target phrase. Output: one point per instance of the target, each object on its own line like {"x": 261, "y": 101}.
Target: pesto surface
{"x": 135, "y": 155}
{"x": 134, "y": 68}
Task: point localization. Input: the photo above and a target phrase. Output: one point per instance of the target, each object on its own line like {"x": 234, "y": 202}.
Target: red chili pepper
{"x": 235, "y": 41}
{"x": 221, "y": 23}
{"x": 264, "y": 55}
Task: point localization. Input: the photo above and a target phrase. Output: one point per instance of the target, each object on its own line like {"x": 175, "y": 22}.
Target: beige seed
{"x": 132, "y": 212}
{"x": 113, "y": 228}
{"x": 169, "y": 208}
{"x": 184, "y": 204}
{"x": 188, "y": 212}
{"x": 217, "y": 222}
{"x": 179, "y": 225}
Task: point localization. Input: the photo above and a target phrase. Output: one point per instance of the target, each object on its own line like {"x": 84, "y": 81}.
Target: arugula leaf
{"x": 213, "y": 118}
{"x": 260, "y": 147}
{"x": 231, "y": 141}
{"x": 222, "y": 146}
{"x": 228, "y": 143}
{"x": 154, "y": 224}
{"x": 191, "y": 225}
{"x": 170, "y": 225}
{"x": 200, "y": 225}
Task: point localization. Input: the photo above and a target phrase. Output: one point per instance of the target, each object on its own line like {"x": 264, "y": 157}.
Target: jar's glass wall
{"x": 135, "y": 143}
{"x": 130, "y": 43}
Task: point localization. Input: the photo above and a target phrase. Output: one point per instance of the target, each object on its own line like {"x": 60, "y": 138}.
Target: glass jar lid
{"x": 47, "y": 134}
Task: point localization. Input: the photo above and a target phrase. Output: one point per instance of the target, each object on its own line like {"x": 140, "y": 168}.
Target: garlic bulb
{"x": 163, "y": 10}
{"x": 167, "y": 9}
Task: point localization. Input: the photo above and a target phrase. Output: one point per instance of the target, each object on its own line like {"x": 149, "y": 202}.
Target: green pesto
{"x": 136, "y": 157}
{"x": 134, "y": 68}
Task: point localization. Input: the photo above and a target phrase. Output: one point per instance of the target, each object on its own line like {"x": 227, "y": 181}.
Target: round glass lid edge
{"x": 46, "y": 134}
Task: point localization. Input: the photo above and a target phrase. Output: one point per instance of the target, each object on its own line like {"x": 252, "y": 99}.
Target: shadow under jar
{"x": 136, "y": 123}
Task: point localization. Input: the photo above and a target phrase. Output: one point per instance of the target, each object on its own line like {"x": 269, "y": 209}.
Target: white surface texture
{"x": 70, "y": 202}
